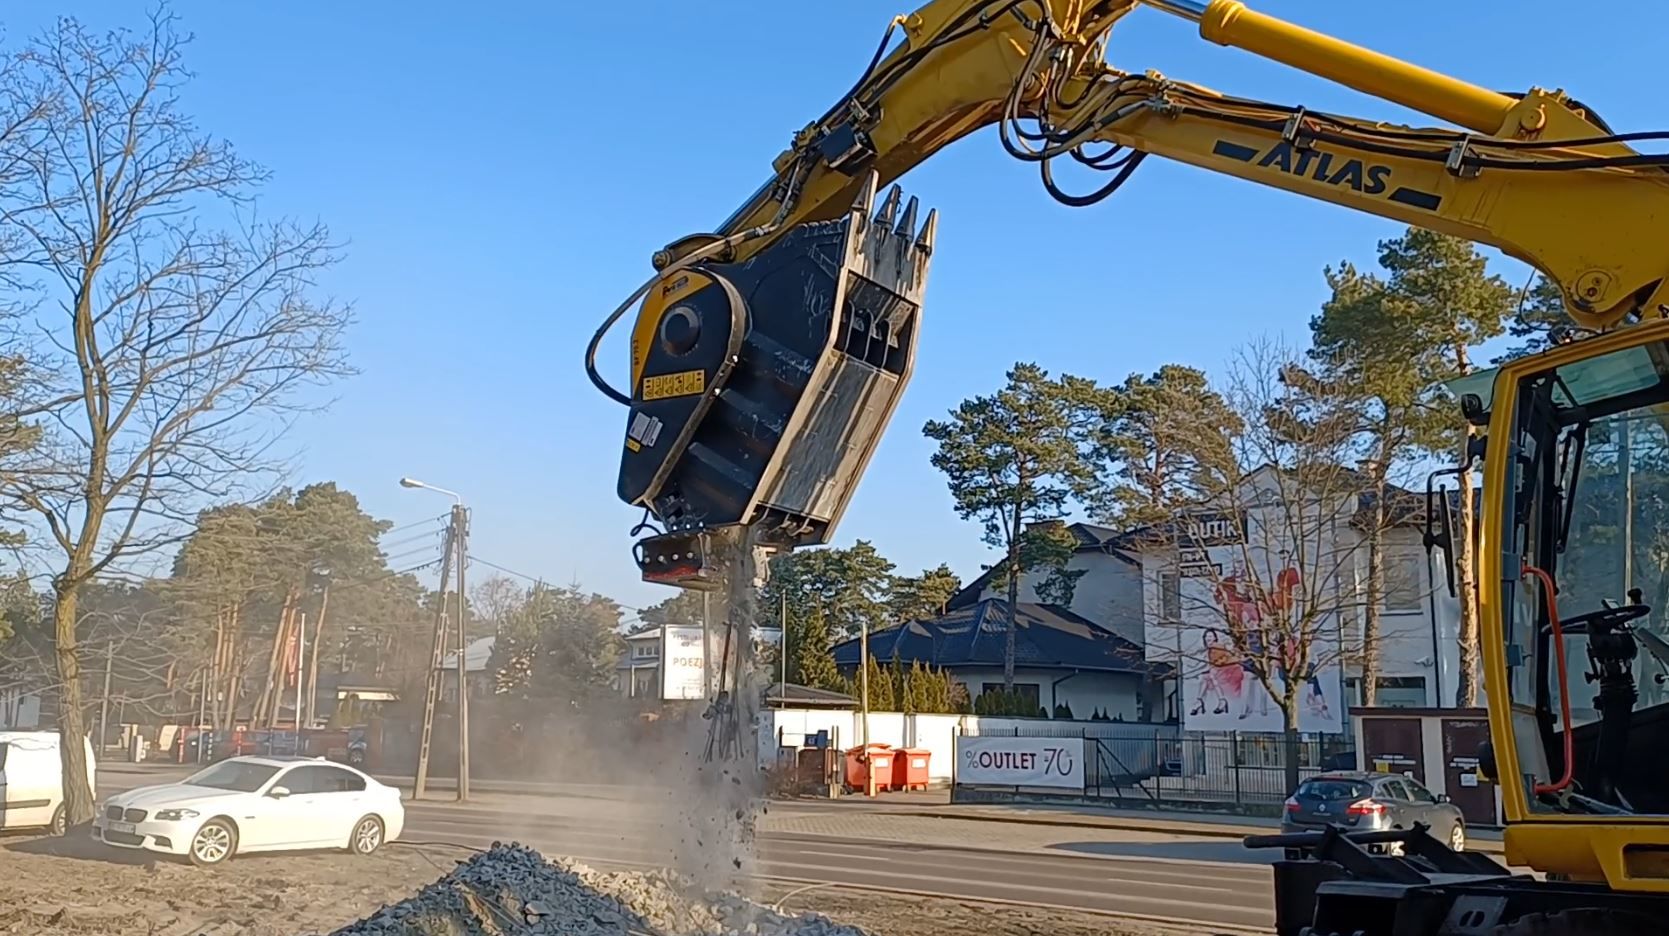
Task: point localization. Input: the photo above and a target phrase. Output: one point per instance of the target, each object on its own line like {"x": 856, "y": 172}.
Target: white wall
{"x": 1405, "y": 642}
{"x": 937, "y": 733}
{"x": 794, "y": 727}
{"x": 1108, "y": 593}
{"x": 1118, "y": 694}
{"x": 1406, "y": 636}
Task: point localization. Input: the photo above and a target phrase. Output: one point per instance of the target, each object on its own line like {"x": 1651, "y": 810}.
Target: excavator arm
{"x": 767, "y": 355}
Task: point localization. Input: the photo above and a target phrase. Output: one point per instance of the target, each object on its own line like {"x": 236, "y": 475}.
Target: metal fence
{"x": 1160, "y": 766}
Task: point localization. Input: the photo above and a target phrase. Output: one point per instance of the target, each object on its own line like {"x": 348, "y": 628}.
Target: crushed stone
{"x": 513, "y": 890}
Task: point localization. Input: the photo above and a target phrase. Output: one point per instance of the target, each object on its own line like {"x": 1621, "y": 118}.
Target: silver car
{"x": 1364, "y": 802}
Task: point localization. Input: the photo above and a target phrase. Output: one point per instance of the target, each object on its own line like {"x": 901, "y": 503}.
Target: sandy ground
{"x": 58, "y": 887}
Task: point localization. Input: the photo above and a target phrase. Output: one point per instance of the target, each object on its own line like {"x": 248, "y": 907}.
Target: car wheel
{"x": 60, "y": 822}
{"x": 214, "y": 843}
{"x": 367, "y": 836}
{"x": 1457, "y": 837}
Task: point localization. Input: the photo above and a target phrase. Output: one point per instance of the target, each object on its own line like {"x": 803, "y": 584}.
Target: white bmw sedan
{"x": 255, "y": 804}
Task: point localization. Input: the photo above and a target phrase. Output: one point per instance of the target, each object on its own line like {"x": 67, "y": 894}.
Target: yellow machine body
{"x": 733, "y": 427}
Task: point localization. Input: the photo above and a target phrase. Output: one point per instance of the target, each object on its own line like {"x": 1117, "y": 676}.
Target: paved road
{"x": 1158, "y": 880}
{"x": 1195, "y": 880}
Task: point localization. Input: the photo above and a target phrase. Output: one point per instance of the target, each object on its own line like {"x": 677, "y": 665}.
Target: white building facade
{"x": 1417, "y": 647}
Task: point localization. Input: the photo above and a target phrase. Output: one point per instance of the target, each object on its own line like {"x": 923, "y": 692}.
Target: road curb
{"x": 1137, "y": 825}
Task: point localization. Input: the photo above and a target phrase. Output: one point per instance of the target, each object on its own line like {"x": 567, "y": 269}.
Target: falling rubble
{"x": 512, "y": 890}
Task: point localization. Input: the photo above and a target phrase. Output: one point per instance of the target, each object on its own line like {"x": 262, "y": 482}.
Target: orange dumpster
{"x": 909, "y": 768}
{"x": 880, "y": 761}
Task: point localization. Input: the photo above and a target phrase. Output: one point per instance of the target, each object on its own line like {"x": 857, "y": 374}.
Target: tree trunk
{"x": 1466, "y": 589}
{"x": 264, "y": 708}
{"x": 1013, "y": 601}
{"x": 72, "y": 721}
{"x": 232, "y": 668}
{"x": 1289, "y": 735}
{"x": 1375, "y": 593}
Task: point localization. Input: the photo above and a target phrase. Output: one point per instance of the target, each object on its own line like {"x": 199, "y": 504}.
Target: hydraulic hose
{"x": 677, "y": 266}
{"x": 1564, "y": 682}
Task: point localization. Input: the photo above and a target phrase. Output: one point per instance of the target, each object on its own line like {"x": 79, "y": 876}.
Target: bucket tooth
{"x": 865, "y": 202}
{"x": 907, "y": 223}
{"x": 889, "y": 208}
{"x": 929, "y": 227}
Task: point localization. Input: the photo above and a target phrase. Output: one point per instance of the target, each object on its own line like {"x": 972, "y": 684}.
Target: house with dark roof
{"x": 1108, "y": 590}
{"x": 1061, "y": 658}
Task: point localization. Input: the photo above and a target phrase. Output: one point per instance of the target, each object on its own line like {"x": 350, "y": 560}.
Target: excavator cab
{"x": 1574, "y": 594}
{"x": 1573, "y": 582}
{"x": 760, "y": 388}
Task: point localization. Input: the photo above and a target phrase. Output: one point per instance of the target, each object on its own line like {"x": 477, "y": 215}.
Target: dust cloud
{"x": 686, "y": 788}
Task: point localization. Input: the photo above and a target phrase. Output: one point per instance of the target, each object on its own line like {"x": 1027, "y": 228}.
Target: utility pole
{"x": 437, "y": 656}
{"x": 313, "y": 666}
{"x": 460, "y": 536}
{"x": 104, "y": 702}
{"x": 782, "y": 647}
{"x": 301, "y": 672}
{"x": 202, "y": 711}
{"x": 863, "y": 682}
{"x": 709, "y": 687}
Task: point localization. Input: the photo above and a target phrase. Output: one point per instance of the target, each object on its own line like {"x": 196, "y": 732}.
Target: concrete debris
{"x": 512, "y": 890}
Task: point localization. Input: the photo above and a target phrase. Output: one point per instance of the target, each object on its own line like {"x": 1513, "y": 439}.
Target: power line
{"x": 536, "y": 580}
{"x": 521, "y": 575}
{"x": 414, "y": 523}
{"x": 427, "y": 534}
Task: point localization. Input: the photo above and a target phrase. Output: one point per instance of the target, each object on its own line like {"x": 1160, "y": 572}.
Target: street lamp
{"x": 457, "y": 499}
{"x": 457, "y": 538}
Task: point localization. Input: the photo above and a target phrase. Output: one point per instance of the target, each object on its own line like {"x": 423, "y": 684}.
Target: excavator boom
{"x": 768, "y": 355}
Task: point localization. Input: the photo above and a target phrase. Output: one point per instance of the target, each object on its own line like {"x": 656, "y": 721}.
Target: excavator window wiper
{"x": 1570, "y": 472}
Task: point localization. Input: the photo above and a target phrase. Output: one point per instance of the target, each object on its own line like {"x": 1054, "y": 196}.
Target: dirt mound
{"x": 512, "y": 890}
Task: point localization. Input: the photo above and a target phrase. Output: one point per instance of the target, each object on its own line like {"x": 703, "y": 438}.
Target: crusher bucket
{"x": 760, "y": 387}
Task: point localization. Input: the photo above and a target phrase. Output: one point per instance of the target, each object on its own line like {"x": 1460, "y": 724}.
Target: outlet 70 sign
{"x": 1023, "y": 762}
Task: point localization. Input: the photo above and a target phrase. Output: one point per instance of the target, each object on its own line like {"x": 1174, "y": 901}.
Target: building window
{"x": 1402, "y": 691}
{"x": 1170, "y": 597}
{"x": 1028, "y": 692}
{"x": 1405, "y": 580}
{"x": 1394, "y": 691}
{"x": 645, "y": 650}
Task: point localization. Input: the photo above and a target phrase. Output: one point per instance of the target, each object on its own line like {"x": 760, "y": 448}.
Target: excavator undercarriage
{"x": 1331, "y": 884}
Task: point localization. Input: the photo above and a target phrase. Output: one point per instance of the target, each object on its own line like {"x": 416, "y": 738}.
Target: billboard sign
{"x": 1020, "y": 762}
{"x": 1245, "y": 613}
{"x": 683, "y": 663}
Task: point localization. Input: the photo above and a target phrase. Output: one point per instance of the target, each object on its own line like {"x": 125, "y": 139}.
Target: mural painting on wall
{"x": 1251, "y": 625}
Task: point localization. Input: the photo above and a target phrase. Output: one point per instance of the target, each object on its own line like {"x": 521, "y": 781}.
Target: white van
{"x": 31, "y": 786}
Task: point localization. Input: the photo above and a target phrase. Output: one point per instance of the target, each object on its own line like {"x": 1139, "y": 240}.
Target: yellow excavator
{"x": 768, "y": 355}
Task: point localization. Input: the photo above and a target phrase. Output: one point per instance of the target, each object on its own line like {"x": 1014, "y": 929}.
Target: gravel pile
{"x": 512, "y": 890}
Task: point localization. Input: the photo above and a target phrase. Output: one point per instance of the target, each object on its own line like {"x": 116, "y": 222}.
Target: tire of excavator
{"x": 1593, "y": 921}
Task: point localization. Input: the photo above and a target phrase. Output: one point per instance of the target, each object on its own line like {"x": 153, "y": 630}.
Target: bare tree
{"x": 1260, "y": 579}
{"x": 175, "y": 328}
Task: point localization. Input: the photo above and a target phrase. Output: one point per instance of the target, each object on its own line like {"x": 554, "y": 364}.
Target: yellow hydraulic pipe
{"x": 1229, "y": 23}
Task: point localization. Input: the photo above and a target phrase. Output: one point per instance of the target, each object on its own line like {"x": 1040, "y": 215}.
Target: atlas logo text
{"x": 1367, "y": 178}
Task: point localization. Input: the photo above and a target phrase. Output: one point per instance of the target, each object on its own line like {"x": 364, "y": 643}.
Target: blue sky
{"x": 503, "y": 171}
